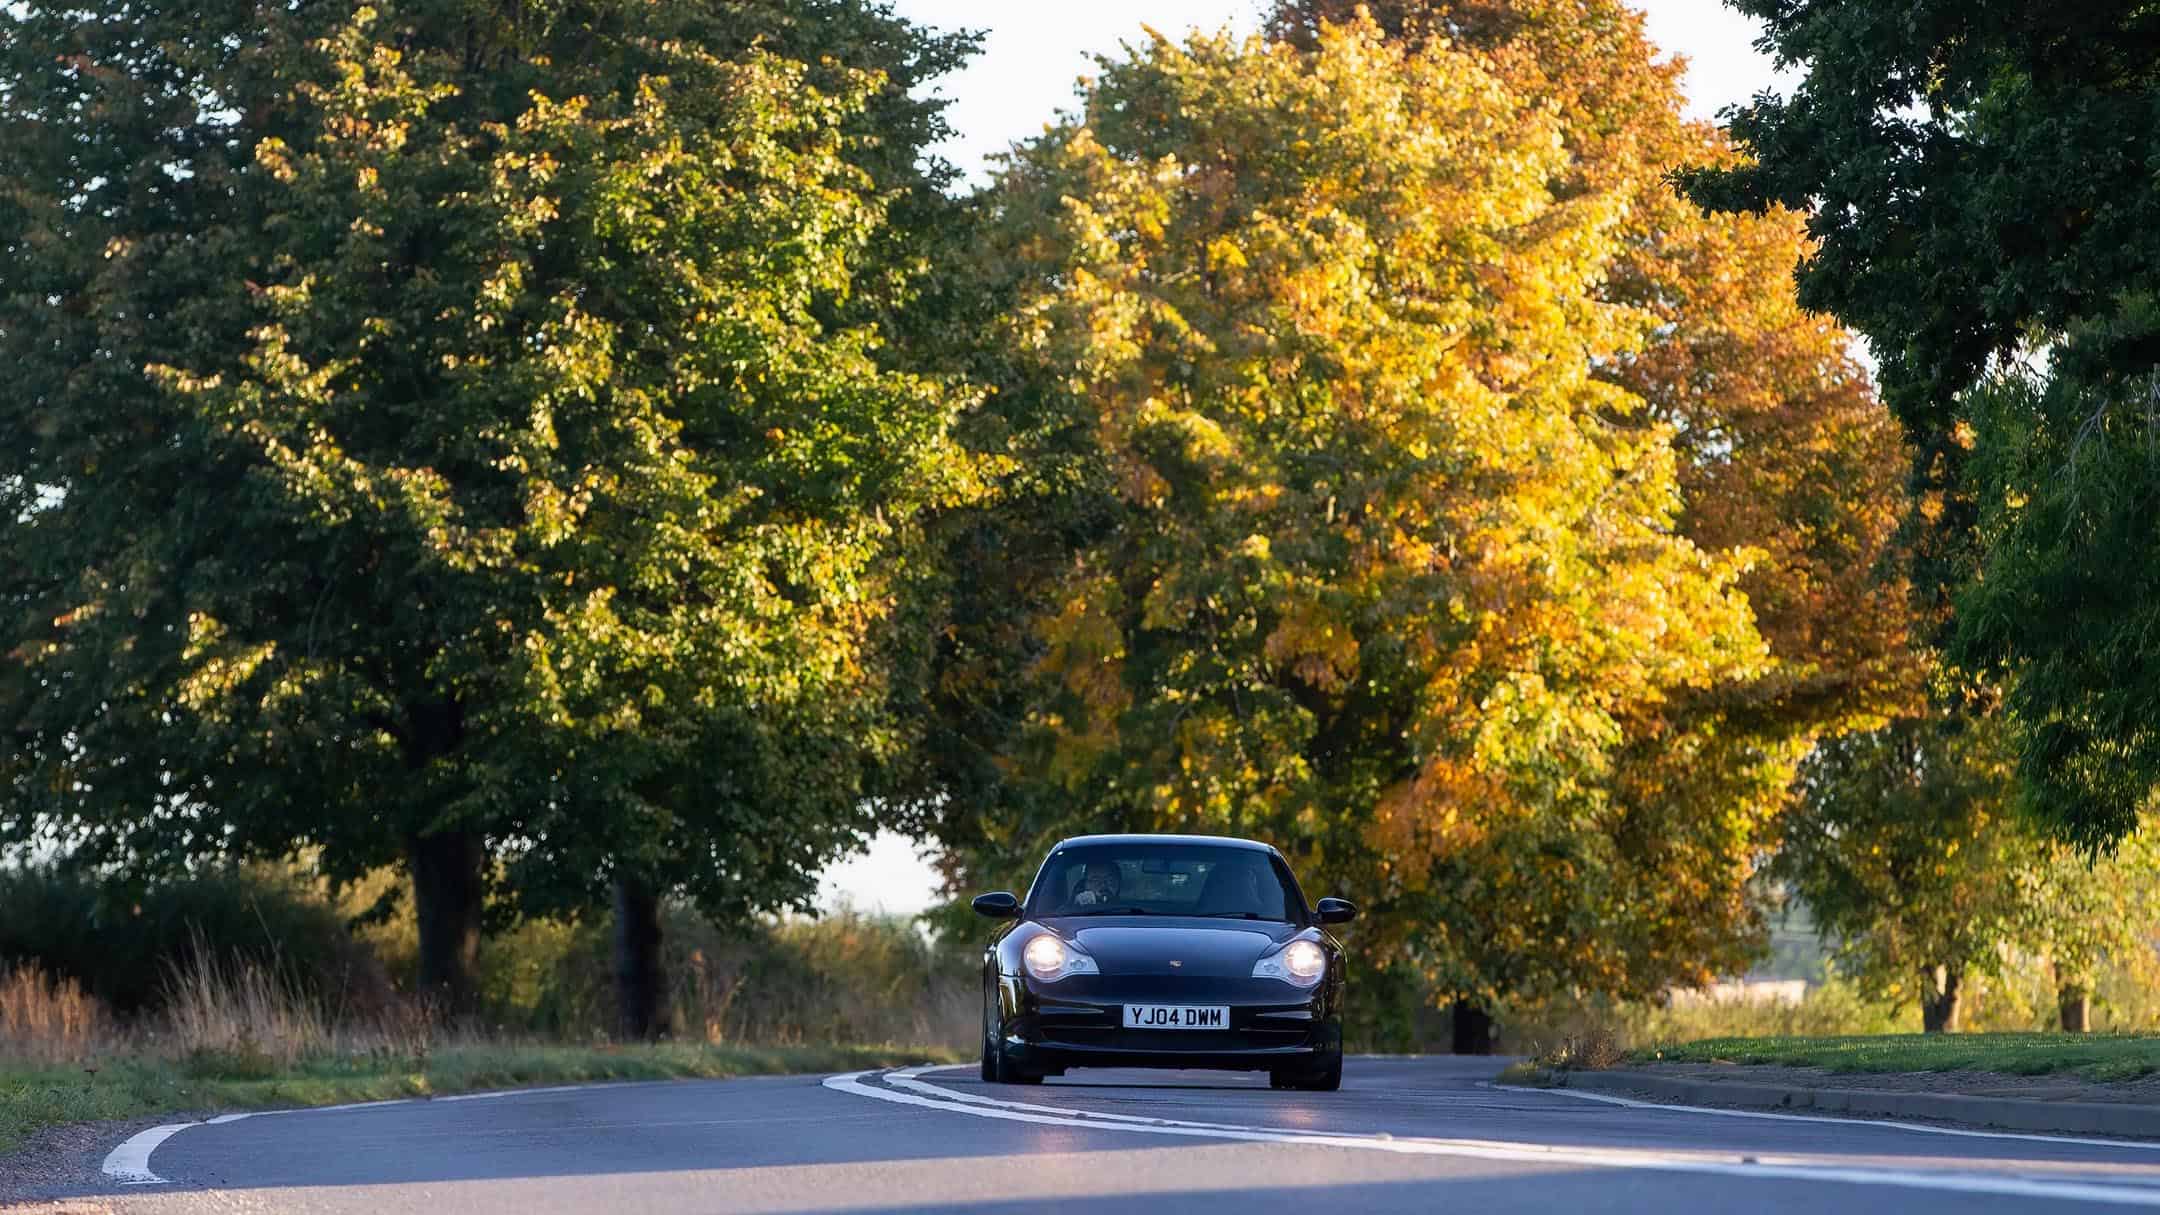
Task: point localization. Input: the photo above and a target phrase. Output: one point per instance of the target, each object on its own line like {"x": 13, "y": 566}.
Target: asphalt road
{"x": 1402, "y": 1135}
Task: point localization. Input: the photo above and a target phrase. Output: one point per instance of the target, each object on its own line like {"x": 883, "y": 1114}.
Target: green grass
{"x": 2091, "y": 1057}
{"x": 33, "y": 1096}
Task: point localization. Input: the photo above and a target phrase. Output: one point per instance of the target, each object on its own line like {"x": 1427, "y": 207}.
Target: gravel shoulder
{"x": 66, "y": 1159}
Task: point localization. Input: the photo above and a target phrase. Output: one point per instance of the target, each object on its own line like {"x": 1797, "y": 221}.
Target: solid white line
{"x": 1755, "y": 1169}
{"x": 129, "y": 1164}
{"x": 905, "y": 1078}
{"x": 1924, "y": 1128}
{"x": 525, "y": 1092}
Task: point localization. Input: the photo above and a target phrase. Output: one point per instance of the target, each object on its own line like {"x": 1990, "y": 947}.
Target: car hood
{"x": 1147, "y": 946}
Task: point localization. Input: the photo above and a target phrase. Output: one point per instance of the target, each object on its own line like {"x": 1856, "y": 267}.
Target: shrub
{"x": 121, "y": 946}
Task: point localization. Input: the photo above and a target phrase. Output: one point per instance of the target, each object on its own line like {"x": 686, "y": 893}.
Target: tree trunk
{"x": 2075, "y": 1001}
{"x": 639, "y": 977}
{"x": 1473, "y": 1029}
{"x": 1940, "y": 993}
{"x": 447, "y": 888}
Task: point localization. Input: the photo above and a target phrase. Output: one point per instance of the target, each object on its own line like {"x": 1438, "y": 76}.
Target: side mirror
{"x": 1336, "y": 911}
{"x": 1000, "y": 905}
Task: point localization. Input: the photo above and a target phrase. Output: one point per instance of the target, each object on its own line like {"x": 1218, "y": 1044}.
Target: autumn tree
{"x": 1331, "y": 531}
{"x": 460, "y": 436}
{"x": 1783, "y": 453}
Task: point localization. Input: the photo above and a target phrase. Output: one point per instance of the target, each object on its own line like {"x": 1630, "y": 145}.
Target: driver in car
{"x": 1099, "y": 885}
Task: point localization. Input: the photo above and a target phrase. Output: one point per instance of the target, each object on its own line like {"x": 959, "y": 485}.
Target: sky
{"x": 1036, "y": 49}
{"x": 1035, "y": 52}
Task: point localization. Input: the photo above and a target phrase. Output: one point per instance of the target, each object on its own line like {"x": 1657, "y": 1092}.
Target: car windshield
{"x": 1165, "y": 879}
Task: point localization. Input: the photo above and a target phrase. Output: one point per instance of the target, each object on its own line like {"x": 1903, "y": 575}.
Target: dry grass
{"x": 236, "y": 1018}
{"x": 851, "y": 978}
{"x": 237, "y": 1035}
{"x": 843, "y": 977}
{"x": 47, "y": 1019}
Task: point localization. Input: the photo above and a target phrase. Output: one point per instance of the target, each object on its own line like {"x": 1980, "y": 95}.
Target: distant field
{"x": 33, "y": 1096}
{"x": 2092, "y": 1057}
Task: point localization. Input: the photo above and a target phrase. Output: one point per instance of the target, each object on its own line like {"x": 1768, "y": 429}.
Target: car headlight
{"x": 1300, "y": 963}
{"x": 1050, "y": 959}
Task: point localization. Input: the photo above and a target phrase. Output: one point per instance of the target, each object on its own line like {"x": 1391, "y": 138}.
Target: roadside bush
{"x": 121, "y": 947}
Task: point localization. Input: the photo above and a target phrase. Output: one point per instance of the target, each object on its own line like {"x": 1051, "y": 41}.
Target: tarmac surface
{"x": 1402, "y": 1135}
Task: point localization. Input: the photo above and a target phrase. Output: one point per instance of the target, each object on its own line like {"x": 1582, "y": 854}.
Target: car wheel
{"x": 1326, "y": 1080}
{"x": 1280, "y": 1080}
{"x": 1008, "y": 1073}
{"x": 989, "y": 1043}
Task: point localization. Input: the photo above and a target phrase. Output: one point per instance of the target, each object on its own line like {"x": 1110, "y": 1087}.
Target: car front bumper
{"x": 1079, "y": 1022}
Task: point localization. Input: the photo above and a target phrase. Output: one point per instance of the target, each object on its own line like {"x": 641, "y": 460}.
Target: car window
{"x": 1164, "y": 879}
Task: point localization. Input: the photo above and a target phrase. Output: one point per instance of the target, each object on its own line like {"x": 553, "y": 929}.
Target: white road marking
{"x": 1924, "y": 1128}
{"x": 905, "y": 1078}
{"x": 129, "y": 1164}
{"x": 514, "y": 1092}
{"x": 1753, "y": 1167}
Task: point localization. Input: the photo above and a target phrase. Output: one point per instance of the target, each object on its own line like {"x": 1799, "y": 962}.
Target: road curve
{"x": 1402, "y": 1135}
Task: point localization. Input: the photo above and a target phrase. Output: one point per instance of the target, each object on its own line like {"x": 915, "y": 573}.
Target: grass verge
{"x": 2099, "y": 1057}
{"x": 35, "y": 1096}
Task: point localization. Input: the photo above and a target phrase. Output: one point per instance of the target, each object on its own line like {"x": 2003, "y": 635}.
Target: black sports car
{"x": 1163, "y": 951}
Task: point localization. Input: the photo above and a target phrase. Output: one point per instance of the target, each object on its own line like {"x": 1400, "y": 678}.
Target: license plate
{"x": 1177, "y": 1016}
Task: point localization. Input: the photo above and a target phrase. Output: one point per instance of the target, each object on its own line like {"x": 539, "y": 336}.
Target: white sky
{"x": 1036, "y": 49}
{"x": 1035, "y": 52}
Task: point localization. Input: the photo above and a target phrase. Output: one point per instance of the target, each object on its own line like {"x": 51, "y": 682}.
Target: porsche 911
{"x": 1176, "y": 951}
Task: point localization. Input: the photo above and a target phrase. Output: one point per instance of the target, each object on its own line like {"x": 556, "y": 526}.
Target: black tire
{"x": 1326, "y": 1080}
{"x": 996, "y": 1068}
{"x": 989, "y": 1043}
{"x": 1009, "y": 1073}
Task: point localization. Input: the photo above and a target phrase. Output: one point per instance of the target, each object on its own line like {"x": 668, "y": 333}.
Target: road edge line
{"x": 1855, "y": 1119}
{"x": 1752, "y": 1169}
{"x": 129, "y": 1162}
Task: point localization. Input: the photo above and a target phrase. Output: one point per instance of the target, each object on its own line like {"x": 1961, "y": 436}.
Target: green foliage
{"x": 2070, "y": 515}
{"x": 1972, "y": 170}
{"x": 124, "y": 947}
{"x": 1977, "y": 176}
{"x": 453, "y": 422}
{"x": 1906, "y": 847}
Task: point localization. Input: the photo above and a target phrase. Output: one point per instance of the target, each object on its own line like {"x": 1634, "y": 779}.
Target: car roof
{"x": 1220, "y": 841}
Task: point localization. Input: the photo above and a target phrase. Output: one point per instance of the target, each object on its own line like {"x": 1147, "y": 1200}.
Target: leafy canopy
{"x": 1357, "y": 551}
{"x": 1977, "y": 176}
{"x": 436, "y": 421}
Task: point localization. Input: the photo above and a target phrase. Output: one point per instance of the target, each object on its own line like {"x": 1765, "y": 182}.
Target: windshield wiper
{"x": 1229, "y": 915}
{"x": 1105, "y": 911}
